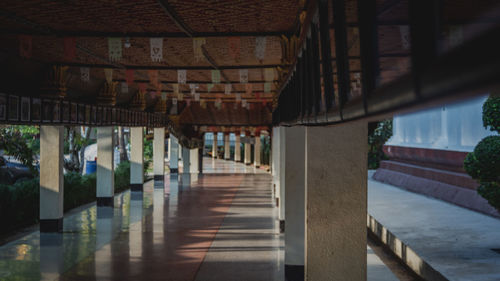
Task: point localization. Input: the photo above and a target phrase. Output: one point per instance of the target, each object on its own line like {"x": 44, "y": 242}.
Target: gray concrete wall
{"x": 336, "y": 202}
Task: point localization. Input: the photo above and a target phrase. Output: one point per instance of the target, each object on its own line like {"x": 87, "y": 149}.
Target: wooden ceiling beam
{"x": 172, "y": 67}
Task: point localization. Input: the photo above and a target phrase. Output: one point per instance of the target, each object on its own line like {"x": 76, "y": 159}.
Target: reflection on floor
{"x": 212, "y": 227}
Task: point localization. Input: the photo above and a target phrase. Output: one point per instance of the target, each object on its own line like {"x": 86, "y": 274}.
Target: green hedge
{"x": 20, "y": 203}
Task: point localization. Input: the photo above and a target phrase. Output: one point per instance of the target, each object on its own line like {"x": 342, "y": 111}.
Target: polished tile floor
{"x": 219, "y": 226}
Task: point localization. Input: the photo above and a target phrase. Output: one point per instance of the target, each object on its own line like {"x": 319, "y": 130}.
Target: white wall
{"x": 457, "y": 127}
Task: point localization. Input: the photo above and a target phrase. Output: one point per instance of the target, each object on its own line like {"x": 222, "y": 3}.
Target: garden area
{"x": 20, "y": 198}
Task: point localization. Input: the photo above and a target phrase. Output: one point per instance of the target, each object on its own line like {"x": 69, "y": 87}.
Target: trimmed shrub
{"x": 491, "y": 192}
{"x": 491, "y": 114}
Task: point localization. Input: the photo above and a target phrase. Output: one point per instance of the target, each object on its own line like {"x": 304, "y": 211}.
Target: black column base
{"x": 248, "y": 164}
{"x": 294, "y": 272}
{"x": 174, "y": 170}
{"x": 257, "y": 166}
{"x": 51, "y": 225}
{"x": 105, "y": 201}
{"x": 282, "y": 226}
{"x": 136, "y": 187}
{"x": 159, "y": 177}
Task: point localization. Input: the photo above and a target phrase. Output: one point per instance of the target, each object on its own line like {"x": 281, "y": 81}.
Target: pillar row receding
{"x": 51, "y": 178}
{"x": 257, "y": 151}
{"x": 227, "y": 147}
{"x": 159, "y": 153}
{"x": 237, "y": 148}
{"x": 173, "y": 154}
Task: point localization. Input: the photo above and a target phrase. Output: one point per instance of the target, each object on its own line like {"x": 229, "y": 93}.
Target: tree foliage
{"x": 14, "y": 142}
{"x": 376, "y": 141}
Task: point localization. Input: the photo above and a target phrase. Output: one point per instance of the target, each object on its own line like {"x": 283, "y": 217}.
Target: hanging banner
{"x": 156, "y": 46}
{"x": 193, "y": 88}
{"x": 244, "y": 103}
{"x": 260, "y": 47}
{"x": 267, "y": 87}
{"x": 215, "y": 76}
{"x": 163, "y": 95}
{"x": 268, "y": 74}
{"x": 238, "y": 97}
{"x": 243, "y": 75}
{"x": 108, "y": 74}
{"x": 227, "y": 88}
{"x": 25, "y": 46}
{"x": 181, "y": 76}
{"x": 175, "y": 89}
{"x": 153, "y": 78}
{"x": 124, "y": 87}
{"x": 197, "y": 97}
{"x": 203, "y": 104}
{"x": 234, "y": 45}
{"x": 198, "y": 42}
{"x": 248, "y": 89}
{"x": 210, "y": 87}
{"x": 404, "y": 30}
{"x": 115, "y": 48}
{"x": 174, "y": 101}
{"x": 85, "y": 74}
{"x": 69, "y": 48}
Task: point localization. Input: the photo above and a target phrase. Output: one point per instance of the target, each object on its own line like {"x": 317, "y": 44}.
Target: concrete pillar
{"x": 227, "y": 147}
{"x": 237, "y": 148}
{"x": 105, "y": 166}
{"x": 51, "y": 178}
{"x": 248, "y": 150}
{"x": 193, "y": 160}
{"x": 336, "y": 194}
{"x": 173, "y": 152}
{"x": 159, "y": 154}
{"x": 214, "y": 146}
{"x": 275, "y": 163}
{"x": 186, "y": 167}
{"x": 282, "y": 166}
{"x": 295, "y": 199}
{"x": 200, "y": 160}
{"x": 257, "y": 151}
{"x": 136, "y": 158}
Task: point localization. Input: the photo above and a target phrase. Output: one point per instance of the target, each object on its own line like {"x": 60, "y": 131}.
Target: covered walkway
{"x": 223, "y": 227}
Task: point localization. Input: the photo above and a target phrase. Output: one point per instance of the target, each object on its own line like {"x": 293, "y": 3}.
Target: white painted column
{"x": 173, "y": 154}
{"x": 282, "y": 166}
{"x": 237, "y": 147}
{"x": 105, "y": 168}
{"x": 51, "y": 178}
{"x": 295, "y": 199}
{"x": 186, "y": 167}
{"x": 159, "y": 154}
{"x": 227, "y": 147}
{"x": 193, "y": 161}
{"x": 136, "y": 158}
{"x": 214, "y": 146}
{"x": 336, "y": 194}
{"x": 275, "y": 168}
{"x": 248, "y": 154}
{"x": 257, "y": 151}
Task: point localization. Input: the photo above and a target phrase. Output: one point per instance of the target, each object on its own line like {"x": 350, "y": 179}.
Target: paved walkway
{"x": 222, "y": 227}
{"x": 455, "y": 241}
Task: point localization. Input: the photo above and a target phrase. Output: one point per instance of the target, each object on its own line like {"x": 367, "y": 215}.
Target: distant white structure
{"x": 457, "y": 127}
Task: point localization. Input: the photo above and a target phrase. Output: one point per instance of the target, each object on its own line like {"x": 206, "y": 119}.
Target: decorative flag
{"x": 85, "y": 74}
{"x": 142, "y": 87}
{"x": 267, "y": 87}
{"x": 181, "y": 76}
{"x": 193, "y": 88}
{"x": 215, "y": 76}
{"x": 404, "y": 30}
{"x": 248, "y": 89}
{"x": 156, "y": 45}
{"x": 260, "y": 47}
{"x": 129, "y": 76}
{"x": 69, "y": 48}
{"x": 25, "y": 46}
{"x": 238, "y": 97}
{"x": 268, "y": 74}
{"x": 163, "y": 95}
{"x": 209, "y": 87}
{"x": 203, "y": 104}
{"x": 153, "y": 77}
{"x": 243, "y": 75}
{"x": 455, "y": 35}
{"x": 108, "y": 73}
{"x": 234, "y": 44}
{"x": 227, "y": 88}
{"x": 244, "y": 103}
{"x": 115, "y": 48}
{"x": 124, "y": 87}
{"x": 175, "y": 88}
{"x": 174, "y": 101}
{"x": 198, "y": 42}
{"x": 180, "y": 96}
{"x": 197, "y": 97}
